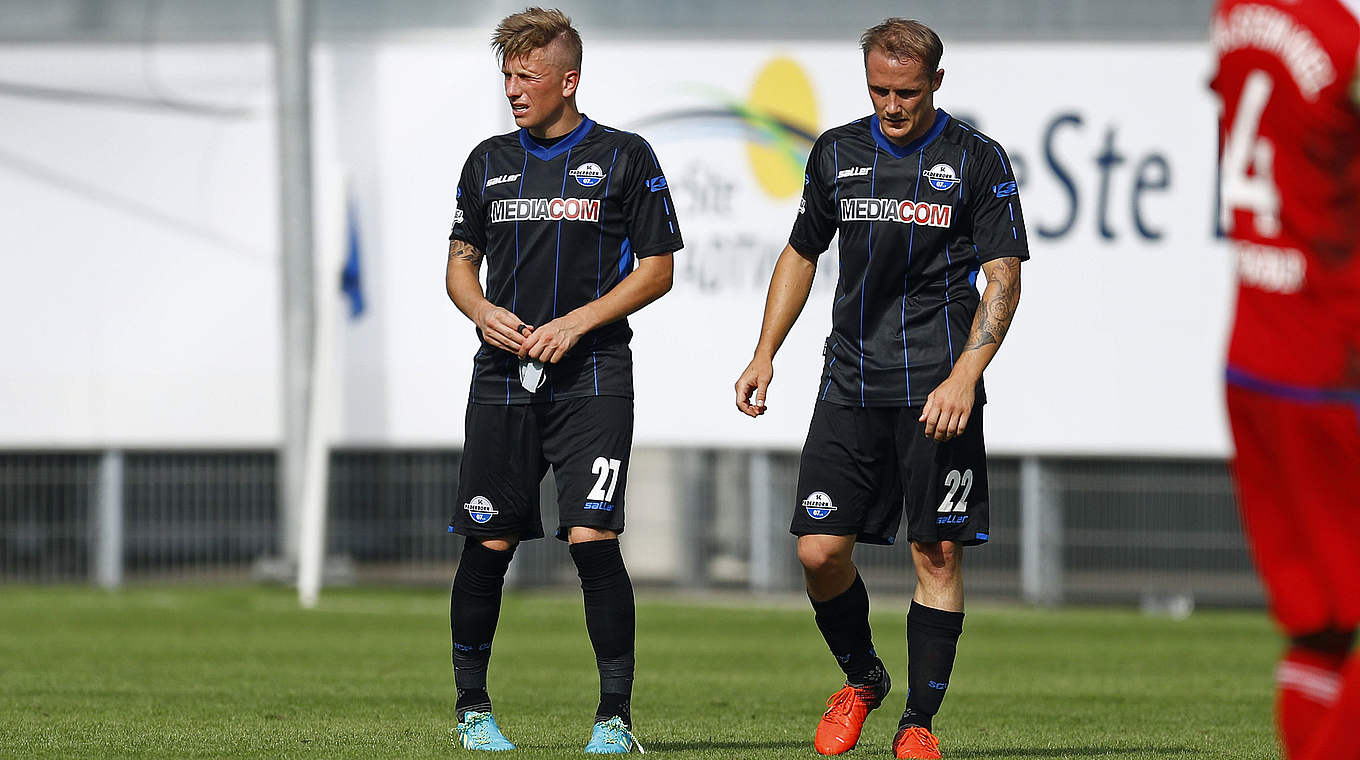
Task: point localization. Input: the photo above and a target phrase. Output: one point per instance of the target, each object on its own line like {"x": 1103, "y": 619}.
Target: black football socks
{"x": 932, "y": 637}
{"x": 474, "y": 608}
{"x": 844, "y": 623}
{"x": 611, "y": 621}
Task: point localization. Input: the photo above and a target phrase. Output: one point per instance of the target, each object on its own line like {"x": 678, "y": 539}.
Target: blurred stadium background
{"x": 166, "y": 335}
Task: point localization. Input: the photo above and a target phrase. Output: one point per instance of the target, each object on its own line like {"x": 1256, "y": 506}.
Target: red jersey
{"x": 1289, "y": 171}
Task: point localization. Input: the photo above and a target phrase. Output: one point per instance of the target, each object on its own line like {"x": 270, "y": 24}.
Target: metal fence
{"x": 1150, "y": 531}
{"x": 46, "y": 508}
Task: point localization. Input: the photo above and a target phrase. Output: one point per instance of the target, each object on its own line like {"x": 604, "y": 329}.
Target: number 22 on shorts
{"x": 956, "y": 480}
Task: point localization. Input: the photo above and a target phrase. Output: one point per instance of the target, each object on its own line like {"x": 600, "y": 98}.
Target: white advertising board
{"x": 142, "y": 289}
{"x": 1116, "y": 347}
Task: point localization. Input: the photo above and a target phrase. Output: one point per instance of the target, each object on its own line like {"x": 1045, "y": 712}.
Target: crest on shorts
{"x": 480, "y": 509}
{"x": 818, "y": 505}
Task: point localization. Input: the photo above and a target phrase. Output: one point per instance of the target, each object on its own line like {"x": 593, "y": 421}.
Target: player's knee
{"x": 500, "y": 543}
{"x": 819, "y": 559}
{"x": 939, "y": 559}
{"x": 579, "y": 534}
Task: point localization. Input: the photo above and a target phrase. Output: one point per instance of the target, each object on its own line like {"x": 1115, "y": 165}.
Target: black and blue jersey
{"x": 560, "y": 226}
{"x": 916, "y": 222}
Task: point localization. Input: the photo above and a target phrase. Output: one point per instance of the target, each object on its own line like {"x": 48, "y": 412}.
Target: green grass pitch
{"x": 199, "y": 673}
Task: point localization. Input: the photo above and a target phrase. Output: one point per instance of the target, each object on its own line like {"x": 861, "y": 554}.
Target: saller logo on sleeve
{"x": 502, "y": 179}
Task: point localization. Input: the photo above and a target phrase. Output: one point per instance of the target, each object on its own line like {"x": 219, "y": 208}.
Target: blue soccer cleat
{"x": 478, "y": 730}
{"x": 612, "y": 737}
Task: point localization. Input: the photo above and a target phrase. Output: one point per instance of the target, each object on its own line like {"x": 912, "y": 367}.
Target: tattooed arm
{"x": 949, "y": 406}
{"x": 498, "y": 326}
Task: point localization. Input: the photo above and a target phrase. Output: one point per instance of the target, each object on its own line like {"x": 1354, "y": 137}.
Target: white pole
{"x": 312, "y": 522}
{"x": 292, "y": 49}
{"x": 325, "y": 382}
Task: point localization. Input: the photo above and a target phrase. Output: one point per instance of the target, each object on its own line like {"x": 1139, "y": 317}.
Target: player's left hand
{"x": 947, "y": 409}
{"x": 550, "y": 342}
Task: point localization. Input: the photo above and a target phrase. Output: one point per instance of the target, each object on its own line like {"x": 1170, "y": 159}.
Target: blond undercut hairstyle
{"x": 533, "y": 29}
{"x": 904, "y": 39}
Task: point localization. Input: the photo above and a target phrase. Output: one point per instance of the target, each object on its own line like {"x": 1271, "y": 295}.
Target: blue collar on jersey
{"x": 902, "y": 151}
{"x": 558, "y": 148}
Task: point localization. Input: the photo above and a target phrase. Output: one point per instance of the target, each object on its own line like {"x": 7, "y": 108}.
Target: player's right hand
{"x": 752, "y": 386}
{"x": 502, "y": 329}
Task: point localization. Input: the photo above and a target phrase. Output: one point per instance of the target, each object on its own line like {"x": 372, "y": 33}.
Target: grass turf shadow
{"x": 708, "y": 744}
{"x": 1060, "y": 752}
{"x": 959, "y": 754}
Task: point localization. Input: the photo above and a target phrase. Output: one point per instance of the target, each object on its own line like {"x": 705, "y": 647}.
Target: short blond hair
{"x": 903, "y": 38}
{"x": 522, "y": 33}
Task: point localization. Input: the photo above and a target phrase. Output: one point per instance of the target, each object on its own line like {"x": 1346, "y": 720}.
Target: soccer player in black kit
{"x": 577, "y": 227}
{"x": 922, "y": 202}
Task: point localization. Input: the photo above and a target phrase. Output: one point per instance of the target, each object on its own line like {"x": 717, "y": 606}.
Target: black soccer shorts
{"x": 509, "y": 448}
{"x": 859, "y": 463}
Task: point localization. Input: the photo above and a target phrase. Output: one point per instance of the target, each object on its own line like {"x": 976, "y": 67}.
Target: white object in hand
{"x": 531, "y": 375}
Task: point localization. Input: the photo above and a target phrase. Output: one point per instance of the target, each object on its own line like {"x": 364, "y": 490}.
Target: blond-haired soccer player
{"x": 577, "y": 227}
{"x": 922, "y": 202}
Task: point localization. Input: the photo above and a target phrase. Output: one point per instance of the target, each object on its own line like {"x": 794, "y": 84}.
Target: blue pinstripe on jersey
{"x": 949, "y": 261}
{"x": 656, "y": 164}
{"x": 1015, "y": 232}
{"x": 599, "y": 261}
{"x": 911, "y": 244}
{"x": 514, "y": 273}
{"x": 836, "y": 196}
{"x": 486, "y": 164}
{"x": 557, "y": 250}
{"x": 625, "y": 258}
{"x": 832, "y": 350}
{"x": 863, "y": 288}
{"x": 557, "y": 254}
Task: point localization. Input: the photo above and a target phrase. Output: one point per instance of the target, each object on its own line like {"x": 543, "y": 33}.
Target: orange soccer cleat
{"x": 918, "y": 742}
{"x": 839, "y": 729}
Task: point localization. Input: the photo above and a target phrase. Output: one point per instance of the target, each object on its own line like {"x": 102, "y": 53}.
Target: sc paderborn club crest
{"x": 480, "y": 509}
{"x": 941, "y": 176}
{"x": 818, "y": 505}
{"x": 587, "y": 175}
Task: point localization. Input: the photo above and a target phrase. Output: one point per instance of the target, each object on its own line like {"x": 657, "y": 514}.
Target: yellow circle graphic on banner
{"x": 781, "y": 97}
